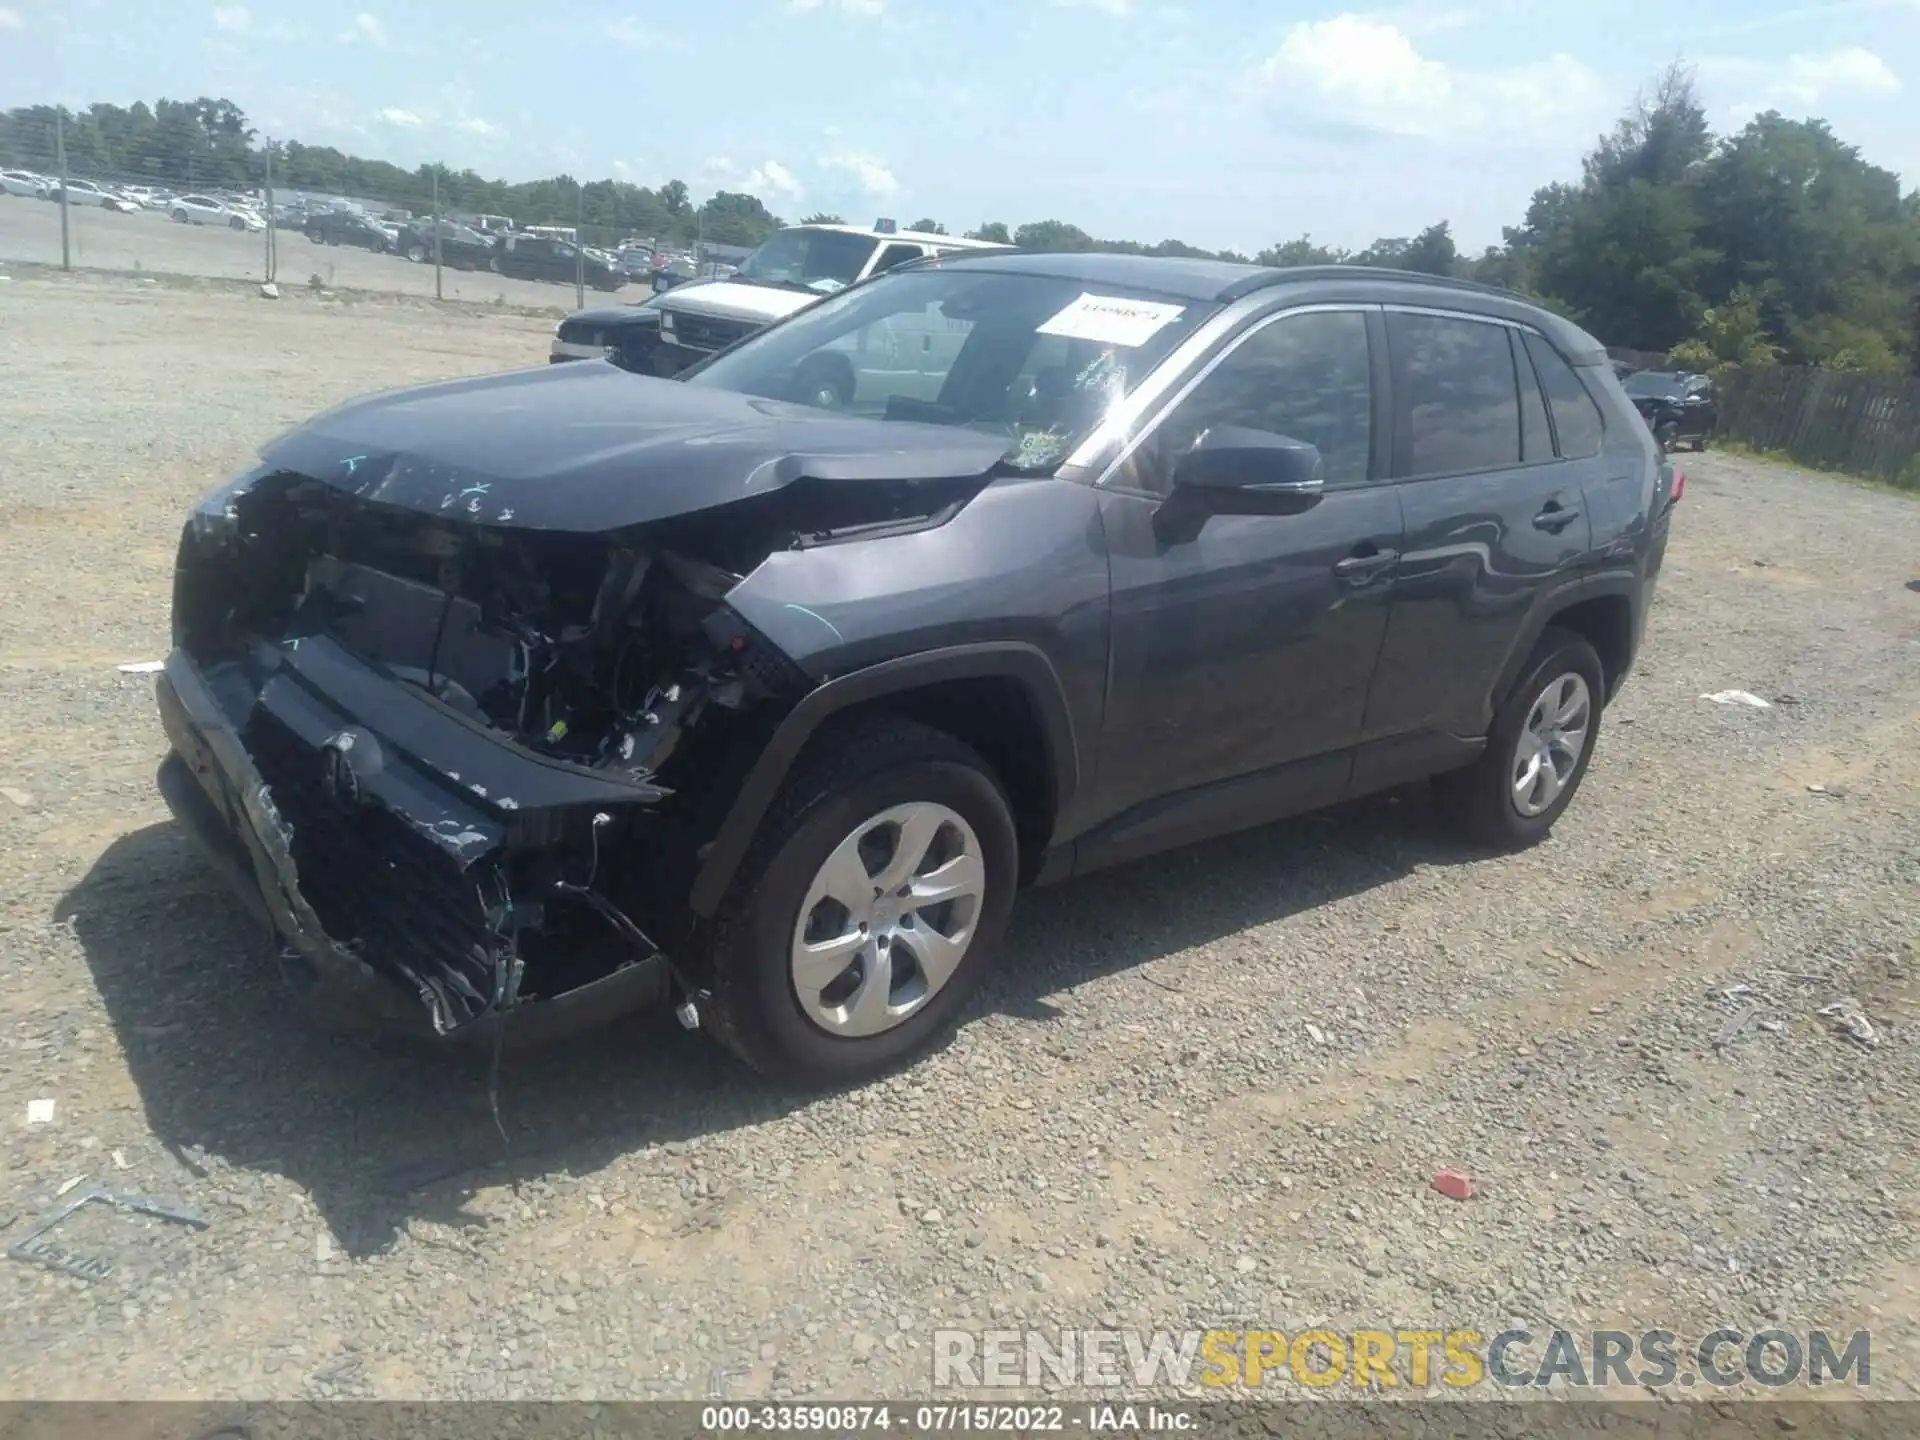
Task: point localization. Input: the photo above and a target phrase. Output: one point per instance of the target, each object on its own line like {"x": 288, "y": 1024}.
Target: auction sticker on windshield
{"x": 1112, "y": 320}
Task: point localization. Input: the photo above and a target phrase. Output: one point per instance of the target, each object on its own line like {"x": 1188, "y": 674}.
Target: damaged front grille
{"x": 706, "y": 332}
{"x": 409, "y": 908}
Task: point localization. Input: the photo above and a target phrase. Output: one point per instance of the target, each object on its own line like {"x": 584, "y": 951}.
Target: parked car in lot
{"x": 86, "y": 192}
{"x": 793, "y": 269}
{"x": 205, "y": 210}
{"x": 348, "y": 227}
{"x": 460, "y": 247}
{"x": 26, "y": 184}
{"x": 518, "y": 701}
{"x": 1677, "y": 406}
{"x": 543, "y": 257}
{"x": 625, "y": 334}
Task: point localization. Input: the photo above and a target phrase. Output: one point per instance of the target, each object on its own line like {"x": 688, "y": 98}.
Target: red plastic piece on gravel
{"x": 1453, "y": 1184}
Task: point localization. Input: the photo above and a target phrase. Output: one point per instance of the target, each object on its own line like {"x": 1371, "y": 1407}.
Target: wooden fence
{"x": 1865, "y": 424}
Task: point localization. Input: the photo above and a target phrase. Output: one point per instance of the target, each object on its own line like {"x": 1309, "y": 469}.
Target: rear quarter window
{"x": 1576, "y": 419}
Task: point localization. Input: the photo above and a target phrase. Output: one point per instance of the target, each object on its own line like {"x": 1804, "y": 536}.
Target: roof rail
{"x": 1276, "y": 274}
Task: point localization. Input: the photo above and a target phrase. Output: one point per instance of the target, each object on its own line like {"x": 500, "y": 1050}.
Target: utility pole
{"x": 579, "y": 246}
{"x": 60, "y": 160}
{"x": 266, "y": 194}
{"x": 436, "y": 234}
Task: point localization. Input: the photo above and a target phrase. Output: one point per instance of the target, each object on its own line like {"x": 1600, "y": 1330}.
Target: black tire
{"x": 850, "y": 776}
{"x": 1669, "y": 437}
{"x": 236, "y": 223}
{"x": 417, "y": 254}
{"x": 314, "y": 237}
{"x": 1480, "y": 798}
{"x": 824, "y": 382}
{"x": 180, "y": 217}
{"x": 1700, "y": 442}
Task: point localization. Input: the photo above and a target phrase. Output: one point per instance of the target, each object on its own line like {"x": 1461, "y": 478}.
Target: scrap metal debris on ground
{"x": 1850, "y": 1020}
{"x": 36, "y": 1249}
{"x": 1738, "y": 697}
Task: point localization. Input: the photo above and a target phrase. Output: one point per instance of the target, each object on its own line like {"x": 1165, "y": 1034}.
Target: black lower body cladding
{"x": 402, "y": 896}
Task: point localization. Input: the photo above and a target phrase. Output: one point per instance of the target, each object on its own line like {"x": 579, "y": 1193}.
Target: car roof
{"x": 1219, "y": 282}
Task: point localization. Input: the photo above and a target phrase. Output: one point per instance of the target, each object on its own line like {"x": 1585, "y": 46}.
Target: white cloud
{"x": 1369, "y": 73}
{"x": 1117, "y": 9}
{"x": 1803, "y": 81}
{"x": 869, "y": 172}
{"x": 772, "y": 179}
{"x": 10, "y": 20}
{"x": 865, "y": 9}
{"x": 240, "y": 21}
{"x": 636, "y": 34}
{"x": 368, "y": 28}
{"x": 474, "y": 125}
{"x": 393, "y": 115}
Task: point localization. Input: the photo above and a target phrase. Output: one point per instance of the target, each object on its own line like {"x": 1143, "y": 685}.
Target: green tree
{"x": 1733, "y": 333}
{"x": 822, "y": 217}
{"x": 1823, "y": 237}
{"x": 734, "y": 219}
{"x": 928, "y": 227}
{"x": 1304, "y": 251}
{"x": 994, "y": 231}
{"x": 1052, "y": 235}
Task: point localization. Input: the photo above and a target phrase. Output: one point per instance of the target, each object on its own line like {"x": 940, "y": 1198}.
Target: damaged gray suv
{"x": 519, "y": 702}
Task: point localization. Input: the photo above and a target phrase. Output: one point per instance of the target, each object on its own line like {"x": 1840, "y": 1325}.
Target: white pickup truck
{"x": 799, "y": 266}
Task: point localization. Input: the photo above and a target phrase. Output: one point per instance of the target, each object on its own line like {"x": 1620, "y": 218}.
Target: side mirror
{"x": 1236, "y": 468}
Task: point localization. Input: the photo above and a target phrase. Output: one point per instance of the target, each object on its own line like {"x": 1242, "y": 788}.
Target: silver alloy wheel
{"x": 888, "y": 919}
{"x": 1551, "y": 743}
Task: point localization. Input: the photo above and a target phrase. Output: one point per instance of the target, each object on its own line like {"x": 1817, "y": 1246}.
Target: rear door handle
{"x": 1361, "y": 568}
{"x": 1556, "y": 516}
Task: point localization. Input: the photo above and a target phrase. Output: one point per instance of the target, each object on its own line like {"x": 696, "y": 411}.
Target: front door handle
{"x": 1555, "y": 517}
{"x": 1361, "y": 568}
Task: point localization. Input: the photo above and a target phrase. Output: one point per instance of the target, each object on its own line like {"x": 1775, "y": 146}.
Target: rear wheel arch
{"x": 1601, "y": 612}
{"x": 1004, "y": 701}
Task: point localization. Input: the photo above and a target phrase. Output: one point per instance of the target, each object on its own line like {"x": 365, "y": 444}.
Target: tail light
{"x": 1679, "y": 487}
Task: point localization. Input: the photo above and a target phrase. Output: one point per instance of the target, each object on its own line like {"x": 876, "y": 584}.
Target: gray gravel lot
{"x": 1210, "y": 1089}
{"x": 149, "y": 241}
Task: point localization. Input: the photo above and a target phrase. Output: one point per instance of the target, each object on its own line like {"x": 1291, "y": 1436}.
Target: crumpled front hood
{"x": 589, "y": 447}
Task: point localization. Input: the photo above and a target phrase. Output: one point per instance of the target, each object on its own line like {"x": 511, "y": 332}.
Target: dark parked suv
{"x": 1675, "y": 405}
{"x": 518, "y": 701}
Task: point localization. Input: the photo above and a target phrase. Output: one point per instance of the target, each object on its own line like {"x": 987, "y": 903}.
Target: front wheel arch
{"x": 916, "y": 686}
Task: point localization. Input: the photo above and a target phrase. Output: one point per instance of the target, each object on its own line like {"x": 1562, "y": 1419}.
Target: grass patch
{"x": 1907, "y": 487}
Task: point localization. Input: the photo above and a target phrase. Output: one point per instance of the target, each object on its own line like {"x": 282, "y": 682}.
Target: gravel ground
{"x": 149, "y": 241}
{"x": 1209, "y": 1089}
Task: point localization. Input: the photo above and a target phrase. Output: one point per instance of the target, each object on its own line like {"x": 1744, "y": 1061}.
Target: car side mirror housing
{"x": 1237, "y": 469}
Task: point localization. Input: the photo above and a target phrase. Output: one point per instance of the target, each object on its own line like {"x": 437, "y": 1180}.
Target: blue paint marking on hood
{"x": 589, "y": 447}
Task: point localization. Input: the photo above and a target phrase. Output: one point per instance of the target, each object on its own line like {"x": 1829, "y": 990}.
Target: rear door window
{"x": 1456, "y": 395}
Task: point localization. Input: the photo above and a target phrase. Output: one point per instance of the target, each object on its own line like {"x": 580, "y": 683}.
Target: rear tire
{"x": 838, "y": 797}
{"x": 1492, "y": 799}
{"x": 1669, "y": 437}
{"x": 1700, "y": 443}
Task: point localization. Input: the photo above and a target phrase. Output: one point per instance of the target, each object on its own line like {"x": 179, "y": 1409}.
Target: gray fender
{"x": 1026, "y": 665}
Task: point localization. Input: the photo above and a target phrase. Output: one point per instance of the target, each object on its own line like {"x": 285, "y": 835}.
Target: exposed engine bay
{"x": 489, "y": 753}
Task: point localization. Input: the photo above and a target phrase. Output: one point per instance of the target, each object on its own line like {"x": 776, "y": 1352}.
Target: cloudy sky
{"x": 1222, "y": 122}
